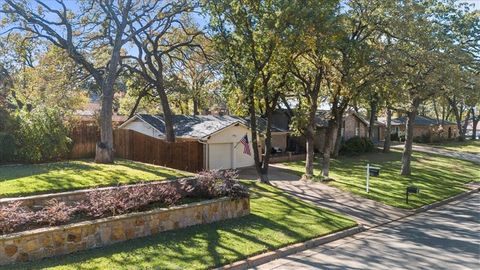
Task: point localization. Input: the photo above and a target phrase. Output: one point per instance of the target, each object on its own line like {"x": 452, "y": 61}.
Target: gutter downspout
{"x": 206, "y": 153}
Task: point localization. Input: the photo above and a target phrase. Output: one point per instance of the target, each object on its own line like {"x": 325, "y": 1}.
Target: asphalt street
{"x": 444, "y": 238}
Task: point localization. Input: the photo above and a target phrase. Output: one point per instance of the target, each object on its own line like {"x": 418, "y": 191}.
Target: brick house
{"x": 425, "y": 126}
{"x": 354, "y": 124}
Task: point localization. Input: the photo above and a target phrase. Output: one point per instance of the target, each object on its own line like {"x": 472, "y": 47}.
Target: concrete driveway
{"x": 366, "y": 212}
{"x": 444, "y": 238}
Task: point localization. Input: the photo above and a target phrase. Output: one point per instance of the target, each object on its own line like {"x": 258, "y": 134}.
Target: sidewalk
{"x": 432, "y": 150}
{"x": 366, "y": 212}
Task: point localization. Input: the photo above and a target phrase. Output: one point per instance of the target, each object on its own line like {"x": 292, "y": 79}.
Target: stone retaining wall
{"x": 65, "y": 239}
{"x": 70, "y": 197}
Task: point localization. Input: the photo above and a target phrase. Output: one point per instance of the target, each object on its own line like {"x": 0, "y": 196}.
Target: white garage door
{"x": 220, "y": 156}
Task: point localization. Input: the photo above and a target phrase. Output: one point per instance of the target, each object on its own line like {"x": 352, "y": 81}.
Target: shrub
{"x": 357, "y": 145}
{"x": 216, "y": 183}
{"x": 13, "y": 216}
{"x": 394, "y": 137}
{"x": 41, "y": 135}
{"x": 103, "y": 203}
{"x": 54, "y": 213}
{"x": 110, "y": 202}
{"x": 424, "y": 138}
{"x": 7, "y": 147}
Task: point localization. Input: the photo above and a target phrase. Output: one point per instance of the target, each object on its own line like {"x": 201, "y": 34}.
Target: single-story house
{"x": 425, "y": 127}
{"x": 220, "y": 135}
{"x": 353, "y": 125}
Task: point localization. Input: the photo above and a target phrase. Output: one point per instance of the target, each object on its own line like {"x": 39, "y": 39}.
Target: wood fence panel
{"x": 132, "y": 145}
{"x": 84, "y": 141}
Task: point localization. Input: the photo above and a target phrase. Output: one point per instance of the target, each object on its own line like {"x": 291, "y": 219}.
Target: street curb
{"x": 295, "y": 248}
{"x": 446, "y": 201}
{"x": 291, "y": 249}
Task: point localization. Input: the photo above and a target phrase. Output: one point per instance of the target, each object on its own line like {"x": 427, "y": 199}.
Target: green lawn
{"x": 276, "y": 220}
{"x": 69, "y": 175}
{"x": 437, "y": 177}
{"x": 468, "y": 146}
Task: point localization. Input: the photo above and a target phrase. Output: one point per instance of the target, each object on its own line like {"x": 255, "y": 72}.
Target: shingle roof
{"x": 419, "y": 121}
{"x": 200, "y": 126}
{"x": 322, "y": 117}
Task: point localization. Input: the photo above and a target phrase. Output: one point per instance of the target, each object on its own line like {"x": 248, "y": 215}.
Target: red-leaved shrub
{"x": 102, "y": 203}
{"x": 13, "y": 216}
{"x": 216, "y": 183}
{"x": 121, "y": 200}
{"x": 54, "y": 213}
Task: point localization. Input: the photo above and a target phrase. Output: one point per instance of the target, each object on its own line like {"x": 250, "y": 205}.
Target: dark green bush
{"x": 424, "y": 138}
{"x": 7, "y": 147}
{"x": 42, "y": 135}
{"x": 357, "y": 145}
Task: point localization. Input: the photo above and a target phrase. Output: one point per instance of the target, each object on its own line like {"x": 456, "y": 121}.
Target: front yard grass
{"x": 468, "y": 146}
{"x": 437, "y": 177}
{"x": 276, "y": 220}
{"x": 18, "y": 180}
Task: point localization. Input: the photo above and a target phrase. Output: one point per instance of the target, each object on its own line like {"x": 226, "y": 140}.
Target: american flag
{"x": 246, "y": 146}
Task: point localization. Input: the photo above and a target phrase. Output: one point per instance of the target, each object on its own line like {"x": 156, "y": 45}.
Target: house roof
{"x": 419, "y": 121}
{"x": 199, "y": 126}
{"x": 322, "y": 117}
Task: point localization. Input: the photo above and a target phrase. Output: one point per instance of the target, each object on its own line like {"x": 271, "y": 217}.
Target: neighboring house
{"x": 354, "y": 124}
{"x": 220, "y": 136}
{"x": 89, "y": 115}
{"x": 425, "y": 127}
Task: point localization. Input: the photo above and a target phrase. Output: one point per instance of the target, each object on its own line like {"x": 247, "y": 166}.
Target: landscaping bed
{"x": 29, "y": 179}
{"x": 276, "y": 220}
{"x": 437, "y": 177}
{"x": 118, "y": 214}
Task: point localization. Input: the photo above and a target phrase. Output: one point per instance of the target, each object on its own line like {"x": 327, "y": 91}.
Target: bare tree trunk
{"x": 373, "y": 116}
{"x": 253, "y": 127}
{"x": 338, "y": 136}
{"x": 195, "y": 106}
{"x": 386, "y": 144}
{"x": 407, "y": 151}
{"x": 135, "y": 106}
{"x": 465, "y": 124}
{"x": 327, "y": 148}
{"x": 310, "y": 157}
{"x": 435, "y": 109}
{"x": 104, "y": 149}
{"x": 458, "y": 119}
{"x": 475, "y": 120}
{"x": 310, "y": 136}
{"x": 268, "y": 144}
{"x": 167, "y": 114}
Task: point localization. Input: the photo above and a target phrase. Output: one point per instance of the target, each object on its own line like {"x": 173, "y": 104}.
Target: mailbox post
{"x": 411, "y": 189}
{"x": 371, "y": 171}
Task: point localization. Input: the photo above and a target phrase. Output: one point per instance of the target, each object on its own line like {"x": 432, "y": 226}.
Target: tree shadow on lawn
{"x": 437, "y": 179}
{"x": 76, "y": 175}
{"x": 11, "y": 172}
{"x": 276, "y": 221}
{"x": 165, "y": 250}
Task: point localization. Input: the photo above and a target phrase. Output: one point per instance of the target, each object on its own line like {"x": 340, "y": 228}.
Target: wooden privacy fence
{"x": 84, "y": 140}
{"x": 132, "y": 145}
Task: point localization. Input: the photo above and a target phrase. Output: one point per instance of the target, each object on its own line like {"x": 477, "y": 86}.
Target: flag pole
{"x": 246, "y": 134}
